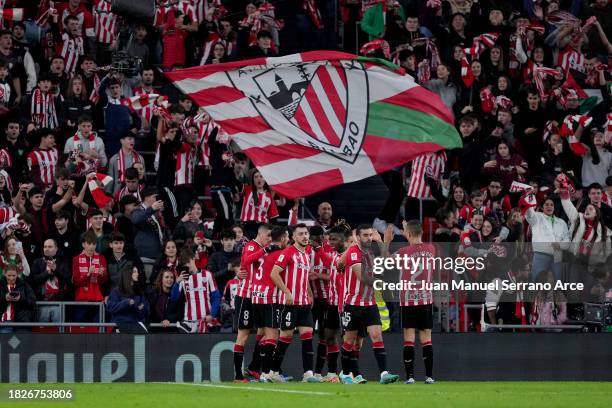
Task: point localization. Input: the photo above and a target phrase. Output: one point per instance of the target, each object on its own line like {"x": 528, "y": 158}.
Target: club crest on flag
{"x": 316, "y": 103}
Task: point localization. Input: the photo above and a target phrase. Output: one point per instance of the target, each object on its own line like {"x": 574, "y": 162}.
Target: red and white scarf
{"x": 43, "y": 110}
{"x": 481, "y": 43}
{"x": 121, "y": 163}
{"x": 97, "y": 192}
{"x": 313, "y": 13}
{"x": 9, "y": 313}
{"x": 567, "y": 130}
{"x": 94, "y": 97}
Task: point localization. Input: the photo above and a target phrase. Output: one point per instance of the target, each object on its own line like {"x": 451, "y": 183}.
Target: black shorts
{"x": 295, "y": 316}
{"x": 359, "y": 317}
{"x": 319, "y": 309}
{"x": 332, "y": 318}
{"x": 266, "y": 315}
{"x": 417, "y": 317}
{"x": 243, "y": 318}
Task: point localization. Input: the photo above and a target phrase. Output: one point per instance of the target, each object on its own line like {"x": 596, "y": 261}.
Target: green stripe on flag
{"x": 402, "y": 124}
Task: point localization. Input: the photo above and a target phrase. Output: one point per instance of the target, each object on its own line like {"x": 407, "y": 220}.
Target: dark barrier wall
{"x": 26, "y": 357}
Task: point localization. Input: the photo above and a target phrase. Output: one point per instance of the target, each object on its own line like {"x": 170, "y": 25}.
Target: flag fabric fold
{"x": 315, "y": 120}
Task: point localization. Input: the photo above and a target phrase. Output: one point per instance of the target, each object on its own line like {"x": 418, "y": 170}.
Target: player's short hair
{"x": 263, "y": 228}
{"x": 278, "y": 233}
{"x": 362, "y": 227}
{"x": 414, "y": 228}
{"x": 296, "y": 226}
{"x": 185, "y": 256}
{"x": 317, "y": 231}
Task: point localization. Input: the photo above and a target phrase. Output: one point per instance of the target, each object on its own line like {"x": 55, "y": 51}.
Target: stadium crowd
{"x": 104, "y": 164}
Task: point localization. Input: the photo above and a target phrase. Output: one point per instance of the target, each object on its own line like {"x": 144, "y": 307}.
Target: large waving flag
{"x": 315, "y": 120}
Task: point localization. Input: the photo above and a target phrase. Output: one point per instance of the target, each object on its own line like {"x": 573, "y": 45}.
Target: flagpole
{"x": 421, "y": 210}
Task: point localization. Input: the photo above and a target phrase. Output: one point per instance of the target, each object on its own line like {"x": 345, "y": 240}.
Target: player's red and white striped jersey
{"x": 263, "y": 211}
{"x": 186, "y": 158}
{"x": 71, "y": 50}
{"x": 252, "y": 258}
{"x": 355, "y": 292}
{"x": 421, "y": 273}
{"x": 320, "y": 267}
{"x": 198, "y": 288}
{"x": 296, "y": 269}
{"x": 41, "y": 164}
{"x": 335, "y": 288}
{"x": 264, "y": 291}
{"x": 431, "y": 164}
{"x": 230, "y": 291}
{"x": 104, "y": 21}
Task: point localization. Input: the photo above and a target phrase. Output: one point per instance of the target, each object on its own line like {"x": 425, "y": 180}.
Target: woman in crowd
{"x": 163, "y": 309}
{"x": 13, "y": 255}
{"x": 167, "y": 260}
{"x": 127, "y": 305}
{"x": 190, "y": 223}
{"x": 508, "y": 166}
{"x": 258, "y": 205}
{"x": 76, "y": 104}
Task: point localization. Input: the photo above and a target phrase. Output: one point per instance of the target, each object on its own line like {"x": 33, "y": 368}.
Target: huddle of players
{"x": 276, "y": 297}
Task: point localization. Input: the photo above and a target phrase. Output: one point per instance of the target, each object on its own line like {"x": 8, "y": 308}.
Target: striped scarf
{"x": 121, "y": 163}
{"x": 94, "y": 97}
{"x": 43, "y": 110}
{"x": 84, "y": 262}
{"x": 9, "y": 313}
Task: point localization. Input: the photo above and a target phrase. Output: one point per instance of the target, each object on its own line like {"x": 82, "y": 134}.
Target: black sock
{"x": 332, "y": 358}
{"x": 409, "y": 359}
{"x": 279, "y": 353}
{"x": 321, "y": 356}
{"x": 346, "y": 353}
{"x": 355, "y": 362}
{"x": 381, "y": 355}
{"x": 268, "y": 350}
{"x": 428, "y": 359}
{"x": 255, "y": 364}
{"x": 238, "y": 357}
{"x": 307, "y": 351}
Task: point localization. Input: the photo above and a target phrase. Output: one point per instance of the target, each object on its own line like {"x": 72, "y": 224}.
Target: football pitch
{"x": 295, "y": 395}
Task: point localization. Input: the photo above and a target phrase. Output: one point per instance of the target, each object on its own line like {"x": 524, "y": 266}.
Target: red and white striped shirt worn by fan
{"x": 263, "y": 211}
{"x": 356, "y": 293}
{"x": 420, "y": 272}
{"x": 198, "y": 289}
{"x": 264, "y": 291}
{"x": 41, "y": 164}
{"x": 71, "y": 49}
{"x": 104, "y": 22}
{"x": 296, "y": 270}
{"x": 252, "y": 258}
{"x": 186, "y": 159}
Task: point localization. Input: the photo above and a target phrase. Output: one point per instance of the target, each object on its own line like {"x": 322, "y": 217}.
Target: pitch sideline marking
{"x": 251, "y": 388}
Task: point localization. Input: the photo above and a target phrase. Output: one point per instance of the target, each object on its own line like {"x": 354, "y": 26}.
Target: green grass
{"x": 372, "y": 395}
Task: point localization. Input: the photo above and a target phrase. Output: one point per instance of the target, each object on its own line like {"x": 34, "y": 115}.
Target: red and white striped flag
{"x": 517, "y": 186}
{"x": 430, "y": 165}
{"x": 12, "y": 14}
{"x": 315, "y": 120}
{"x": 138, "y": 102}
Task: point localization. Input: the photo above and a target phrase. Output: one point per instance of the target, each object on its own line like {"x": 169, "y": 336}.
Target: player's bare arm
{"x": 280, "y": 284}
